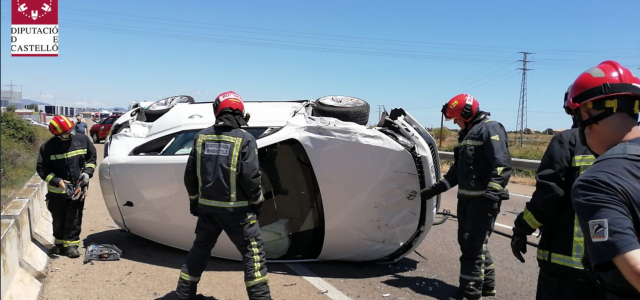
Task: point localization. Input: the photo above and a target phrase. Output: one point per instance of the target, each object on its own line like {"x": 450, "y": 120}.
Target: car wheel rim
{"x": 341, "y": 101}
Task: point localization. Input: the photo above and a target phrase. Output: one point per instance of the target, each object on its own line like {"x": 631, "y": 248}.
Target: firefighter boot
{"x": 72, "y": 252}
{"x": 57, "y": 249}
{"x": 186, "y": 290}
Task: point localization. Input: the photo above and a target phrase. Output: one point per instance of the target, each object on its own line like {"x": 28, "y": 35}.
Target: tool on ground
{"x": 102, "y": 252}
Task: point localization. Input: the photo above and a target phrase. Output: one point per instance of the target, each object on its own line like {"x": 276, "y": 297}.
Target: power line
{"x": 521, "y": 122}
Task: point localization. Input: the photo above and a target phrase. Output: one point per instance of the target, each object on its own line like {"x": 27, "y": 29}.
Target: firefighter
{"x": 66, "y": 162}
{"x": 223, "y": 180}
{"x": 606, "y": 101}
{"x": 561, "y": 246}
{"x": 481, "y": 169}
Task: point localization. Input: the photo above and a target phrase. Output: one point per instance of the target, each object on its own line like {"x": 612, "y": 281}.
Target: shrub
{"x": 17, "y": 129}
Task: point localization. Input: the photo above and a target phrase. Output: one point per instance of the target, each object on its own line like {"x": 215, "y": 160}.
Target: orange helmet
{"x": 60, "y": 125}
{"x": 462, "y": 106}
{"x": 228, "y": 100}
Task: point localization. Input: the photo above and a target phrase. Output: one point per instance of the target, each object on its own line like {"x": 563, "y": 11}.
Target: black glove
{"x": 193, "y": 207}
{"x": 428, "y": 193}
{"x": 492, "y": 208}
{"x": 257, "y": 208}
{"x": 518, "y": 244}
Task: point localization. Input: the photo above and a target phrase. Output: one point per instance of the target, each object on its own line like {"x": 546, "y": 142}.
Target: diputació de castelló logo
{"x": 34, "y": 27}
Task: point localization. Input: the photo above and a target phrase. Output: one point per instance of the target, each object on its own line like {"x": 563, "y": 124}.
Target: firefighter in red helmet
{"x": 66, "y": 162}
{"x": 223, "y": 180}
{"x": 561, "y": 247}
{"x": 481, "y": 170}
{"x": 606, "y": 101}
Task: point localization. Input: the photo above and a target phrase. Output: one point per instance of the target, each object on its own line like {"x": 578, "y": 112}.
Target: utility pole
{"x": 521, "y": 123}
{"x": 380, "y": 110}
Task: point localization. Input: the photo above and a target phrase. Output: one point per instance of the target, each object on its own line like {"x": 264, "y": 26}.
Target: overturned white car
{"x": 336, "y": 189}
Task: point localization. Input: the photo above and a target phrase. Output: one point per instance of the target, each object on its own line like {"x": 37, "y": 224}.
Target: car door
{"x": 105, "y": 127}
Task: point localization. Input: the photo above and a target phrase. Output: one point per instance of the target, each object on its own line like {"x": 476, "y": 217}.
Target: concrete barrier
{"x": 26, "y": 237}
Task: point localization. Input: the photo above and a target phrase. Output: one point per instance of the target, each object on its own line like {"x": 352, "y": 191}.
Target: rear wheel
{"x": 343, "y": 108}
{"x": 96, "y": 139}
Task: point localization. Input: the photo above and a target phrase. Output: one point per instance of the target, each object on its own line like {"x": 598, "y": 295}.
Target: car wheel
{"x": 343, "y": 108}
{"x": 161, "y": 107}
{"x": 96, "y": 139}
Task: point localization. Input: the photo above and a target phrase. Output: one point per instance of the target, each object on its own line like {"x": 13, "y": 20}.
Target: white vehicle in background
{"x": 336, "y": 189}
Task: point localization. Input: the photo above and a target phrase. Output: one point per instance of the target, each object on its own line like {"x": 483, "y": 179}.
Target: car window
{"x": 184, "y": 142}
{"x": 108, "y": 121}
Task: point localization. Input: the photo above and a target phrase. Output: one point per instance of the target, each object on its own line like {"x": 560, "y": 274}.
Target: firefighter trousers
{"x": 243, "y": 230}
{"x": 67, "y": 220}
{"x": 477, "y": 271}
{"x": 560, "y": 282}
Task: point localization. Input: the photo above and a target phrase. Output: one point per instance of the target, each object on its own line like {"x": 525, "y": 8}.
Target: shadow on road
{"x": 172, "y": 296}
{"x": 141, "y": 250}
{"x": 424, "y": 286}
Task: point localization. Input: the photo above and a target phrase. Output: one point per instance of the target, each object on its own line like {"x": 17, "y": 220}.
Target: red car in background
{"x": 101, "y": 130}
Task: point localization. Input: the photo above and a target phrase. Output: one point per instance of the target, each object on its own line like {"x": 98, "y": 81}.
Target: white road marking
{"x": 331, "y": 291}
{"x": 510, "y": 227}
{"x": 520, "y": 195}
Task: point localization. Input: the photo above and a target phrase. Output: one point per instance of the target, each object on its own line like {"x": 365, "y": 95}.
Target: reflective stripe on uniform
{"x": 69, "y": 154}
{"x": 471, "y": 193}
{"x": 583, "y": 161}
{"x": 71, "y": 243}
{"x": 471, "y": 143}
{"x": 236, "y": 141}
{"x": 260, "y": 199}
{"x": 578, "y": 242}
{"x": 256, "y": 258}
{"x": 530, "y": 219}
{"x": 55, "y": 189}
{"x": 188, "y": 277}
{"x": 49, "y": 177}
{"x": 223, "y": 203}
{"x": 193, "y": 197}
{"x": 560, "y": 259}
{"x": 495, "y": 186}
{"x": 255, "y": 281}
{"x": 59, "y": 242}
{"x": 91, "y": 166}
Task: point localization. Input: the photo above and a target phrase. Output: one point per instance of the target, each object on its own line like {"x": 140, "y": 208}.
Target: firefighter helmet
{"x": 607, "y": 79}
{"x": 565, "y": 104}
{"x": 230, "y": 101}
{"x": 462, "y": 106}
{"x": 60, "y": 125}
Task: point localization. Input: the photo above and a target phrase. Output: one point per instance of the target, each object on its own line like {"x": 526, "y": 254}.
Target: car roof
{"x": 200, "y": 115}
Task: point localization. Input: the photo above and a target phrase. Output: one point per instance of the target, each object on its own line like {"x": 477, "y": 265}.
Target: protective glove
{"x": 518, "y": 244}
{"x": 83, "y": 179}
{"x": 428, "y": 193}
{"x": 257, "y": 208}
{"x": 491, "y": 207}
{"x": 193, "y": 207}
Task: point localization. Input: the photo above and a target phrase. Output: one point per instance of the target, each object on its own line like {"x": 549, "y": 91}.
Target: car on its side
{"x": 336, "y": 188}
{"x": 100, "y": 131}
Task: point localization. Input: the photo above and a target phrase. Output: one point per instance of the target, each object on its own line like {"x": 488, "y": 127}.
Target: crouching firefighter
{"x": 561, "y": 247}
{"x": 223, "y": 180}
{"x": 481, "y": 169}
{"x": 66, "y": 162}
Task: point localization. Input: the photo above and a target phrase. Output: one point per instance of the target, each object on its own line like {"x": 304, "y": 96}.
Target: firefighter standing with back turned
{"x": 561, "y": 247}
{"x": 606, "y": 101}
{"x": 66, "y": 162}
{"x": 481, "y": 169}
{"x": 223, "y": 180}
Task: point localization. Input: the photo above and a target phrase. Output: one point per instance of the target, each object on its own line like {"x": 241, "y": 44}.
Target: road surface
{"x": 148, "y": 270}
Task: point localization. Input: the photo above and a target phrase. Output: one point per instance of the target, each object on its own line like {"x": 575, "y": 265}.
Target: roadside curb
{"x": 26, "y": 236}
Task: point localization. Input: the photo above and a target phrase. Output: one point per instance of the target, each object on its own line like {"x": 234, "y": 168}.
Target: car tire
{"x": 343, "y": 108}
{"x": 96, "y": 139}
{"x": 161, "y": 107}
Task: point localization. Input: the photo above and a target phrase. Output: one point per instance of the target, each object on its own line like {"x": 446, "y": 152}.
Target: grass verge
{"x": 20, "y": 145}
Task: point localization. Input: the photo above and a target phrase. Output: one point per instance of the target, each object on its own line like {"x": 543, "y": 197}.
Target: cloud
{"x": 199, "y": 92}
{"x": 94, "y": 104}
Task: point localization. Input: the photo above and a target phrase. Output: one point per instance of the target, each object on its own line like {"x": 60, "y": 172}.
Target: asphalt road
{"x": 148, "y": 270}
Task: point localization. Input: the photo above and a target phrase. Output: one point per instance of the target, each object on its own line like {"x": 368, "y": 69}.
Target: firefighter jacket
{"x": 482, "y": 162}
{"x": 550, "y": 208}
{"x": 223, "y": 172}
{"x": 65, "y": 160}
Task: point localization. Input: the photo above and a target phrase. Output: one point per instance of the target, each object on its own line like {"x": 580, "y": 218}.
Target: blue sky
{"x": 410, "y": 54}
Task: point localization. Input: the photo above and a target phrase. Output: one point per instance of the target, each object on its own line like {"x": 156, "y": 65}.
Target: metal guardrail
{"x": 522, "y": 164}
